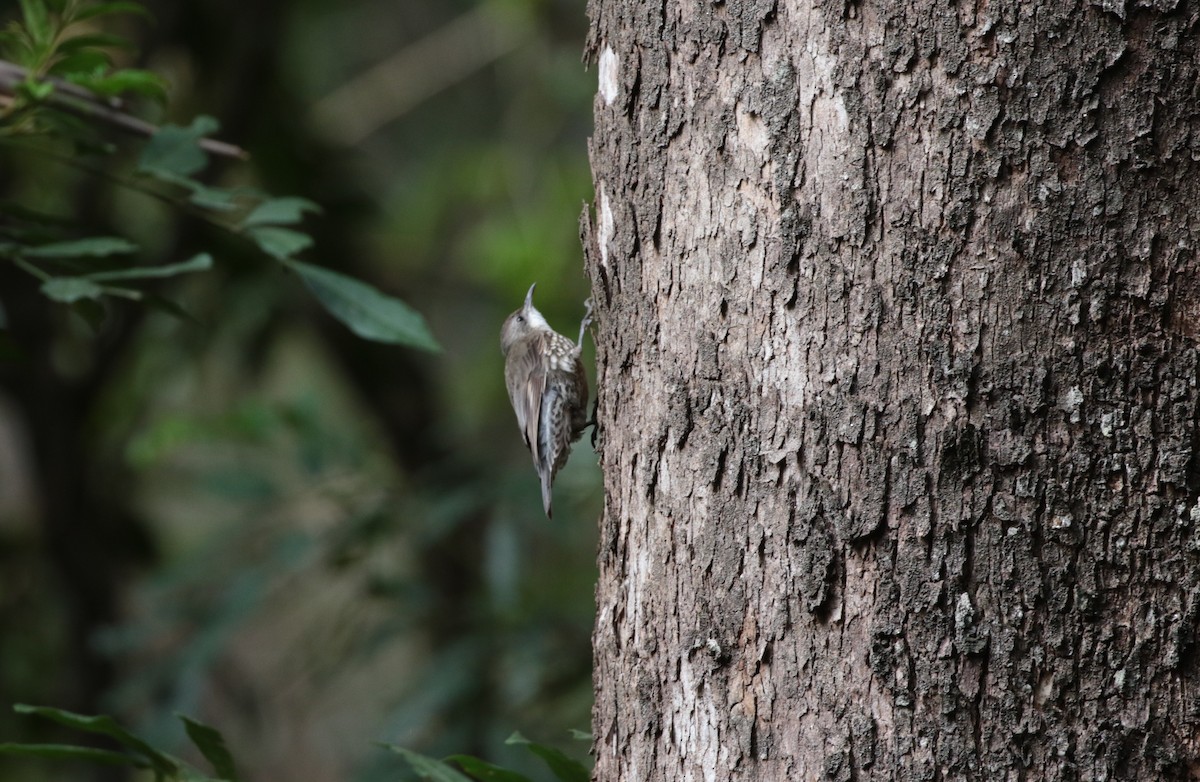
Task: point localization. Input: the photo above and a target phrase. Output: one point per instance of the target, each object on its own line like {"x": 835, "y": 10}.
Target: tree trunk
{"x": 897, "y": 366}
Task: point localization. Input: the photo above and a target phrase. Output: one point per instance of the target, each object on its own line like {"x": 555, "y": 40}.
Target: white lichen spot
{"x": 1078, "y": 273}
{"x": 606, "y": 227}
{"x": 1119, "y": 679}
{"x": 964, "y": 612}
{"x": 1106, "y": 424}
{"x": 608, "y": 75}
{"x": 1071, "y": 401}
{"x": 1194, "y": 513}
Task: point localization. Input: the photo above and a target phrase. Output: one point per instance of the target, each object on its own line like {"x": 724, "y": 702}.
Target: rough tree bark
{"x": 897, "y": 362}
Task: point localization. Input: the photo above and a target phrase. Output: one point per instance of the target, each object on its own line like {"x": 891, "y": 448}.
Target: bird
{"x": 547, "y": 386}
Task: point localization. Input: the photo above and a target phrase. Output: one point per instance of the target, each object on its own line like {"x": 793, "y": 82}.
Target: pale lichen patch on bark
{"x": 608, "y": 75}
{"x": 605, "y": 232}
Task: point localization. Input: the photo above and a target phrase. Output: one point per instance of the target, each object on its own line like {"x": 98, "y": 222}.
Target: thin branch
{"x": 84, "y": 103}
{"x": 12, "y": 74}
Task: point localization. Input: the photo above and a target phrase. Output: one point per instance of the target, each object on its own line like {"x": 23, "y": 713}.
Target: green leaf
{"x": 36, "y": 90}
{"x": 580, "y": 735}
{"x": 174, "y": 151}
{"x": 17, "y": 45}
{"x": 211, "y": 744}
{"x": 37, "y": 21}
{"x": 78, "y": 66}
{"x": 369, "y": 313}
{"x": 199, "y": 263}
{"x": 94, "y": 41}
{"x": 127, "y": 80}
{"x": 427, "y": 767}
{"x": 69, "y": 752}
{"x": 107, "y": 726}
{"x": 95, "y": 246}
{"x": 13, "y": 44}
{"x": 486, "y": 772}
{"x": 215, "y": 198}
{"x": 281, "y": 243}
{"x": 280, "y": 211}
{"x": 564, "y": 768}
{"x": 71, "y": 289}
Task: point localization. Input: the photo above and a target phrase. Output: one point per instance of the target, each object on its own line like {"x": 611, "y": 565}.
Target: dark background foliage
{"x": 254, "y": 516}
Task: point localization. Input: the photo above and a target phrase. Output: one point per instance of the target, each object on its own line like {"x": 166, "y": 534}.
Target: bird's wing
{"x": 525, "y": 376}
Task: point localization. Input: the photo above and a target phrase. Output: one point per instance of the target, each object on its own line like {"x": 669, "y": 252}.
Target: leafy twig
{"x": 85, "y": 103}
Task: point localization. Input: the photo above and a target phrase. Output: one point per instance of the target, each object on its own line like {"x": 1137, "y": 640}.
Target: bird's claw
{"x": 593, "y": 423}
{"x": 587, "y": 320}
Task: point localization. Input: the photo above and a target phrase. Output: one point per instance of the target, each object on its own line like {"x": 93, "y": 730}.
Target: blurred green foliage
{"x": 134, "y": 751}
{"x": 58, "y": 84}
{"x": 240, "y": 509}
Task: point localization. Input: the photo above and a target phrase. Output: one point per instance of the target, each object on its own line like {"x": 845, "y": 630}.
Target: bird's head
{"x": 522, "y": 323}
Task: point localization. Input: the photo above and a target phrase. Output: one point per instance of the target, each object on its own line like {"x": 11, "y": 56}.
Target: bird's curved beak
{"x": 529, "y": 297}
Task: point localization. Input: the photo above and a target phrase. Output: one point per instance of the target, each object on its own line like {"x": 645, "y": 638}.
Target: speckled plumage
{"x": 547, "y": 387}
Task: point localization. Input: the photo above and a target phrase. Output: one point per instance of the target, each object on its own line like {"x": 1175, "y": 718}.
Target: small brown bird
{"x": 547, "y": 387}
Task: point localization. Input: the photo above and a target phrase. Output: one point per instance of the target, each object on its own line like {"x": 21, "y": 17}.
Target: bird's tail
{"x": 547, "y": 480}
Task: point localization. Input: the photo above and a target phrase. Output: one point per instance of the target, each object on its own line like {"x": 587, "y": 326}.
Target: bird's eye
{"x": 520, "y": 319}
